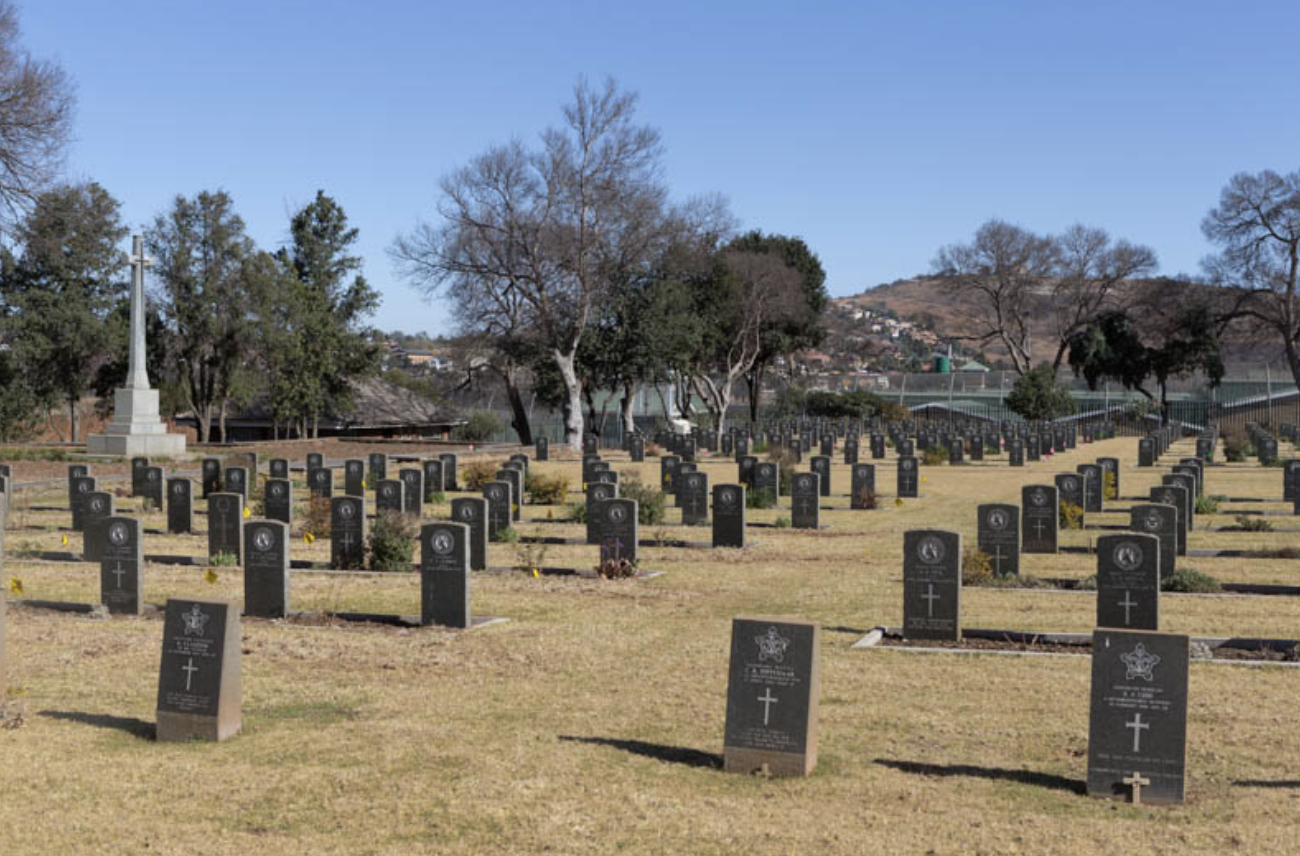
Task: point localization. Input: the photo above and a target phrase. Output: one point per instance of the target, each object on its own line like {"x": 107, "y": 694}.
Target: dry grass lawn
{"x": 592, "y": 721}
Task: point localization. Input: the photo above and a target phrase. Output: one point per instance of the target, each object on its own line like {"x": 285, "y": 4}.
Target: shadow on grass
{"x": 1024, "y": 777}
{"x": 1267, "y": 783}
{"x": 670, "y": 754}
{"x": 135, "y": 727}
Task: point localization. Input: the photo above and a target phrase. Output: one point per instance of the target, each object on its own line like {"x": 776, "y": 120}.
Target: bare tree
{"x": 553, "y": 224}
{"x": 35, "y": 119}
{"x": 1257, "y": 223}
{"x": 994, "y": 278}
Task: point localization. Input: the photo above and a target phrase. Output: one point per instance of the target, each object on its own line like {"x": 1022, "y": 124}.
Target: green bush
{"x": 223, "y": 560}
{"x": 1037, "y": 395}
{"x": 1071, "y": 516}
{"x": 1207, "y": 505}
{"x": 1192, "y": 581}
{"x": 506, "y": 536}
{"x": 785, "y": 464}
{"x": 781, "y": 523}
{"x": 976, "y": 567}
{"x": 546, "y": 490}
{"x": 317, "y": 519}
{"x": 1247, "y": 523}
{"x": 649, "y": 500}
{"x": 761, "y": 498}
{"x": 391, "y": 544}
{"x": 934, "y": 456}
{"x": 475, "y": 474}
{"x": 577, "y": 511}
{"x": 1236, "y": 449}
{"x": 479, "y": 426}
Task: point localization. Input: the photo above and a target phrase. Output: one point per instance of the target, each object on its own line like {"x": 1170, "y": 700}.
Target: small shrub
{"x": 761, "y": 498}
{"x": 781, "y": 523}
{"x": 649, "y": 500}
{"x": 475, "y": 474}
{"x": 316, "y": 520}
{"x": 1071, "y": 516}
{"x": 577, "y": 511}
{"x": 392, "y": 542}
{"x": 867, "y": 499}
{"x": 529, "y": 557}
{"x": 758, "y": 447}
{"x": 480, "y": 425}
{"x": 1247, "y": 523}
{"x": 148, "y": 504}
{"x": 1236, "y": 449}
{"x": 1108, "y": 489}
{"x": 976, "y": 567}
{"x": 785, "y": 464}
{"x": 1189, "y": 580}
{"x": 934, "y": 456}
{"x": 506, "y": 536}
{"x": 1207, "y": 505}
{"x": 436, "y": 497}
{"x": 616, "y": 569}
{"x": 546, "y": 490}
{"x": 1087, "y": 583}
{"x": 222, "y": 560}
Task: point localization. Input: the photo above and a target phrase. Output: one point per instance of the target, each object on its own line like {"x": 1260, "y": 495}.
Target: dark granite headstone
{"x": 908, "y": 477}
{"x": 597, "y": 492}
{"x": 668, "y": 465}
{"x": 444, "y": 574}
{"x": 378, "y": 466}
{"x": 79, "y": 490}
{"x": 636, "y": 448}
{"x": 498, "y": 496}
{"x": 590, "y": 444}
{"x": 955, "y": 450}
{"x": 390, "y": 496}
{"x": 1091, "y": 476}
{"x": 354, "y": 477}
{"x": 99, "y": 508}
{"x": 877, "y": 446}
{"x": 347, "y": 532}
{"x": 320, "y": 482}
{"x": 694, "y": 499}
{"x": 279, "y": 468}
{"x": 772, "y": 697}
{"x": 729, "y": 515}
{"x": 516, "y": 480}
{"x": 998, "y": 536}
{"x": 931, "y": 584}
{"x": 121, "y": 567}
{"x": 277, "y": 500}
{"x": 767, "y": 477}
{"x": 542, "y": 449}
{"x": 226, "y": 525}
{"x": 851, "y": 451}
{"x": 977, "y": 448}
{"x": 412, "y": 490}
{"x": 862, "y": 488}
{"x": 432, "y": 479}
{"x": 138, "y": 466}
{"x": 1177, "y": 496}
{"x": 153, "y": 487}
{"x": 1128, "y": 581}
{"x": 180, "y": 507}
{"x": 449, "y": 474}
{"x": 805, "y": 501}
{"x": 1109, "y": 478}
{"x": 236, "y": 481}
{"x": 1040, "y": 509}
{"x": 1034, "y": 448}
{"x": 745, "y": 470}
{"x": 266, "y": 569}
{"x": 1146, "y": 452}
{"x": 198, "y": 681}
{"x": 616, "y": 521}
{"x": 821, "y": 465}
{"x": 211, "y": 476}
{"x": 1016, "y": 452}
{"x": 473, "y": 512}
{"x": 315, "y": 461}
{"x": 1161, "y": 521}
{"x": 1137, "y": 725}
{"x": 1070, "y": 488}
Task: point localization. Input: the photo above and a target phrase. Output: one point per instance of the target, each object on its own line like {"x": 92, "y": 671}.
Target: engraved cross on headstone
{"x": 189, "y": 669}
{"x": 768, "y": 700}
{"x": 1138, "y": 727}
{"x": 118, "y": 572}
{"x": 930, "y": 597}
{"x": 1128, "y": 603}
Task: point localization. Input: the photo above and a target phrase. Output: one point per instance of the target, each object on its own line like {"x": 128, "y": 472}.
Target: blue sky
{"x": 876, "y": 131}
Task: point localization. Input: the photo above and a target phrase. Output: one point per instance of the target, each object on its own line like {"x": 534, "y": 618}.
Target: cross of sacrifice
{"x": 1136, "y": 783}
{"x": 1138, "y": 727}
{"x": 768, "y": 700}
{"x": 1128, "y": 603}
{"x": 189, "y": 669}
{"x": 930, "y": 597}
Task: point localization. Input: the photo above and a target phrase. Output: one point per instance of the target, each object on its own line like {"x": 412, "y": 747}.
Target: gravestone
{"x": 908, "y": 477}
{"x": 1137, "y": 724}
{"x": 877, "y": 446}
{"x": 590, "y": 444}
{"x": 597, "y": 492}
{"x": 998, "y": 536}
{"x": 862, "y": 488}
{"x": 472, "y": 511}
{"x": 1091, "y": 476}
{"x": 851, "y": 451}
{"x": 1205, "y": 448}
{"x": 153, "y": 487}
{"x": 1175, "y": 495}
{"x": 279, "y": 468}
{"x": 412, "y": 490}
{"x": 226, "y": 525}
{"x": 805, "y": 501}
{"x": 75, "y": 471}
{"x": 498, "y": 496}
{"x": 449, "y": 475}
{"x": 1128, "y": 581}
{"x": 347, "y": 532}
{"x": 1033, "y": 448}
{"x": 198, "y": 681}
{"x": 767, "y": 476}
{"x": 931, "y": 584}
{"x": 668, "y": 465}
{"x": 729, "y": 515}
{"x": 99, "y": 508}
{"x": 1040, "y": 509}
{"x": 772, "y": 697}
{"x": 955, "y": 450}
{"x": 516, "y": 480}
{"x": 1070, "y": 489}
{"x": 694, "y": 499}
{"x": 1146, "y": 452}
{"x": 1290, "y": 473}
{"x": 211, "y": 475}
{"x": 315, "y": 461}
{"x": 1160, "y": 521}
{"x": 354, "y": 477}
{"x": 636, "y": 448}
{"x": 590, "y": 465}
{"x": 977, "y": 448}
{"x": 320, "y": 482}
{"x": 180, "y": 507}
{"x": 79, "y": 489}
{"x": 1016, "y": 451}
{"x": 444, "y": 574}
{"x": 542, "y": 449}
{"x": 827, "y": 445}
{"x": 432, "y": 479}
{"x": 390, "y": 496}
{"x": 236, "y": 481}
{"x": 616, "y": 521}
{"x": 378, "y": 466}
{"x": 906, "y": 448}
{"x": 121, "y": 567}
{"x": 138, "y": 466}
{"x": 821, "y": 465}
{"x": 745, "y": 470}
{"x": 1109, "y": 478}
{"x": 266, "y": 569}
{"x": 277, "y": 500}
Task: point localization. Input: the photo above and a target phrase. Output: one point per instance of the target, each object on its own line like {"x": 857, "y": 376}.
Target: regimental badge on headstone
{"x": 772, "y": 697}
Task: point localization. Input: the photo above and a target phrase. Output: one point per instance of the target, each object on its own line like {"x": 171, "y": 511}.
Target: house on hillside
{"x": 379, "y": 409}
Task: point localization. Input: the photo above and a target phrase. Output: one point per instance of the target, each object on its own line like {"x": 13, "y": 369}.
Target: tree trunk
{"x": 754, "y": 380}
{"x": 629, "y": 397}
{"x": 53, "y": 426}
{"x": 663, "y": 402}
{"x": 593, "y": 424}
{"x": 518, "y": 413}
{"x": 572, "y": 400}
{"x": 72, "y": 416}
{"x": 221, "y": 418}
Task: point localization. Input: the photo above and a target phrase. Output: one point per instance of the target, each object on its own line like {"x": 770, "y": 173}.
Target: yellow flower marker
{"x": 923, "y": 478}
{"x": 15, "y": 585}
{"x": 537, "y": 574}
{"x": 247, "y": 513}
{"x": 211, "y": 576}
{"x": 550, "y": 514}
{"x": 308, "y": 538}
{"x": 363, "y": 484}
{"x": 898, "y": 502}
{"x": 65, "y": 540}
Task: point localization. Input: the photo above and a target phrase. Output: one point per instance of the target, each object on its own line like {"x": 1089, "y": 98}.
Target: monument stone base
{"x": 136, "y": 428}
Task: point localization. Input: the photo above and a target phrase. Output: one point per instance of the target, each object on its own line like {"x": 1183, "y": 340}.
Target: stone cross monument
{"x": 136, "y": 428}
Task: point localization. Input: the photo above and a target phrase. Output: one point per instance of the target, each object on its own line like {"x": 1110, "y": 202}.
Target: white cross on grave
{"x": 930, "y": 597}
{"x": 1039, "y": 526}
{"x": 1138, "y": 727}
{"x": 1128, "y": 603}
{"x": 346, "y": 540}
{"x": 1136, "y": 783}
{"x": 118, "y": 572}
{"x": 768, "y": 700}
{"x": 997, "y": 559}
{"x": 189, "y": 669}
